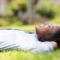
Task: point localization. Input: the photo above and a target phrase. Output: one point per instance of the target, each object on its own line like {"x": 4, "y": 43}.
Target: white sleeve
{"x": 49, "y": 46}
{"x": 42, "y": 47}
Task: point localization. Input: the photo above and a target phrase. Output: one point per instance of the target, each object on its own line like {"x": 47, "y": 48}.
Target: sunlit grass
{"x": 26, "y": 28}
{"x": 23, "y": 55}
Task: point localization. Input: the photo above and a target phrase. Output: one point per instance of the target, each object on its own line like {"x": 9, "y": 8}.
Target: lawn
{"x": 23, "y": 55}
{"x": 20, "y": 55}
{"x": 26, "y": 28}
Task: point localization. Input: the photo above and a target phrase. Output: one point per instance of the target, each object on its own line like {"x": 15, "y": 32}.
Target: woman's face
{"x": 46, "y": 29}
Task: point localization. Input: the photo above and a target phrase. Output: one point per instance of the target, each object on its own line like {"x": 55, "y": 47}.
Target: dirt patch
{"x": 40, "y": 19}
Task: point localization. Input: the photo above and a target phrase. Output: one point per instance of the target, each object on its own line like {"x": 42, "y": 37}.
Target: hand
{"x": 54, "y": 44}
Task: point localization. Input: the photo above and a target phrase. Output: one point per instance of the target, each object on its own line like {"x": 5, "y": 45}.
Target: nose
{"x": 45, "y": 23}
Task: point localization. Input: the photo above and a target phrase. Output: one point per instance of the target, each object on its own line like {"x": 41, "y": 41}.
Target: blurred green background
{"x": 29, "y": 12}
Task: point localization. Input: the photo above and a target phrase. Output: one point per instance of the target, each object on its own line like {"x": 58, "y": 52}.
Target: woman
{"x": 12, "y": 39}
{"x": 48, "y": 32}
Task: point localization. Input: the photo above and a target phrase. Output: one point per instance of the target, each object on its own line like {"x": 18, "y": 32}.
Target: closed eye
{"x": 49, "y": 26}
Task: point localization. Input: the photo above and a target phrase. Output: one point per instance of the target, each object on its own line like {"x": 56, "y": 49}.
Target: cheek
{"x": 45, "y": 31}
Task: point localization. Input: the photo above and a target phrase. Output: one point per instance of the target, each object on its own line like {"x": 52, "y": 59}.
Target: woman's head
{"x": 46, "y": 29}
{"x": 47, "y": 32}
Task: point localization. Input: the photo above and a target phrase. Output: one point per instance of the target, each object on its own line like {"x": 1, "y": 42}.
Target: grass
{"x": 20, "y": 55}
{"x": 26, "y": 28}
{"x": 23, "y": 55}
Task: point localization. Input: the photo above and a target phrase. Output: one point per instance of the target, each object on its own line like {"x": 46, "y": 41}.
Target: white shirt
{"x": 11, "y": 39}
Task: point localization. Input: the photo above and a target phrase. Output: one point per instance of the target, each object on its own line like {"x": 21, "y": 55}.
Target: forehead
{"x": 55, "y": 26}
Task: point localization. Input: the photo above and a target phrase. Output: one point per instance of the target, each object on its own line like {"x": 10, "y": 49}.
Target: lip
{"x": 40, "y": 26}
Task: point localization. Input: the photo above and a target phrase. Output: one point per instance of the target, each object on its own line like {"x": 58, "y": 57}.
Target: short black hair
{"x": 53, "y": 37}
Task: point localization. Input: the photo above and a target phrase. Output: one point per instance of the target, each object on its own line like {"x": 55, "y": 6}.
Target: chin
{"x": 37, "y": 29}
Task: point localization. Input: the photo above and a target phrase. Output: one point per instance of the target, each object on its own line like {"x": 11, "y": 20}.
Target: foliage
{"x": 56, "y": 20}
{"x": 3, "y": 22}
{"x": 10, "y": 21}
{"x": 12, "y": 9}
{"x": 48, "y": 9}
{"x": 14, "y": 6}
